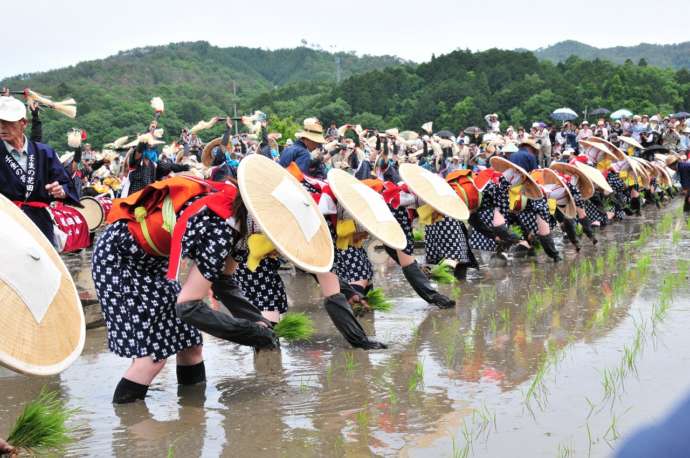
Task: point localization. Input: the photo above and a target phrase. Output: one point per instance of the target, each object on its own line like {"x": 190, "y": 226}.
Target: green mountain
{"x": 195, "y": 81}
{"x": 668, "y": 56}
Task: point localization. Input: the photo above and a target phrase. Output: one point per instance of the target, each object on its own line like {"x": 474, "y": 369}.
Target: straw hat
{"x": 546, "y": 177}
{"x": 207, "y": 153}
{"x": 584, "y": 184}
{"x": 529, "y": 141}
{"x": 312, "y": 130}
{"x": 434, "y": 191}
{"x": 639, "y": 171}
{"x": 144, "y": 138}
{"x": 41, "y": 316}
{"x": 92, "y": 212}
{"x": 600, "y": 147}
{"x": 367, "y": 207}
{"x": 671, "y": 159}
{"x": 286, "y": 213}
{"x": 620, "y": 155}
{"x": 595, "y": 176}
{"x": 530, "y": 187}
{"x": 662, "y": 174}
{"x": 630, "y": 141}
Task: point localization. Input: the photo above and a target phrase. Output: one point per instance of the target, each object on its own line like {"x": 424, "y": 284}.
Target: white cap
{"x": 11, "y": 109}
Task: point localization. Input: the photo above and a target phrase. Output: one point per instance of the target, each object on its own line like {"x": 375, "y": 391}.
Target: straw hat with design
{"x": 555, "y": 188}
{"x": 530, "y": 188}
{"x": 583, "y": 182}
{"x": 433, "y": 190}
{"x": 367, "y": 208}
{"x": 41, "y": 316}
{"x": 595, "y": 176}
{"x": 312, "y": 130}
{"x": 288, "y": 215}
{"x": 601, "y": 148}
{"x": 620, "y": 155}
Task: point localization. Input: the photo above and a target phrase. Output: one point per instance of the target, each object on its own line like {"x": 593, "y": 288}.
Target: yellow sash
{"x": 604, "y": 164}
{"x": 553, "y": 204}
{"x": 427, "y": 215}
{"x": 345, "y": 232}
{"x": 259, "y": 247}
{"x": 516, "y": 200}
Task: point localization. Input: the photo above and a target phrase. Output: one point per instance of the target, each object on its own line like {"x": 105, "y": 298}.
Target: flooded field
{"x": 537, "y": 359}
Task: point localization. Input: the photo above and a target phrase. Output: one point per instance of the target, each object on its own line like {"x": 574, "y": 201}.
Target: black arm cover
{"x": 221, "y": 325}
{"x": 227, "y": 291}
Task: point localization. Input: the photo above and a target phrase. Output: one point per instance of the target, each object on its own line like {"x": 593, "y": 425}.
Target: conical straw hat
{"x": 367, "y": 207}
{"x": 662, "y": 174}
{"x": 549, "y": 177}
{"x": 286, "y": 213}
{"x": 530, "y": 187}
{"x": 92, "y": 212}
{"x": 596, "y": 176}
{"x": 41, "y": 317}
{"x": 620, "y": 155}
{"x": 639, "y": 171}
{"x": 434, "y": 191}
{"x": 584, "y": 183}
{"x": 601, "y": 147}
{"x": 630, "y": 141}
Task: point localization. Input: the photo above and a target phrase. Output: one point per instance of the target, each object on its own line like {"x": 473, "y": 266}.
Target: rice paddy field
{"x": 537, "y": 359}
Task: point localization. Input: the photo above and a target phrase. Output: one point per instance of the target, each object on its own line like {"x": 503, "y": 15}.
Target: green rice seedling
{"x": 42, "y": 425}
{"x": 573, "y": 275}
{"x": 329, "y": 374}
{"x": 599, "y": 265}
{"x": 392, "y": 395}
{"x": 609, "y": 381}
{"x": 362, "y": 417}
{"x": 591, "y": 405}
{"x": 417, "y": 235}
{"x": 675, "y": 237}
{"x": 492, "y": 323}
{"x": 294, "y": 326}
{"x": 442, "y": 274}
{"x": 628, "y": 363}
{"x": 458, "y": 452}
{"x": 303, "y": 385}
{"x": 558, "y": 283}
{"x": 456, "y": 292}
{"x": 468, "y": 436}
{"x": 612, "y": 431}
{"x": 537, "y": 389}
{"x": 505, "y": 316}
{"x": 585, "y": 267}
{"x": 687, "y": 224}
{"x": 589, "y": 441}
{"x": 643, "y": 265}
{"x": 579, "y": 230}
{"x": 517, "y": 230}
{"x": 350, "y": 363}
{"x": 565, "y": 451}
{"x": 611, "y": 257}
{"x": 468, "y": 343}
{"x": 378, "y": 301}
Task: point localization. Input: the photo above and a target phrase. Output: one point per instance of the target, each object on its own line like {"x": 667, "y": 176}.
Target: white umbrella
{"x": 564, "y": 114}
{"x": 622, "y": 113}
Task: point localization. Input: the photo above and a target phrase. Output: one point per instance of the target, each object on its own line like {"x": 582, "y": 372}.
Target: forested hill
{"x": 194, "y": 80}
{"x": 668, "y": 56}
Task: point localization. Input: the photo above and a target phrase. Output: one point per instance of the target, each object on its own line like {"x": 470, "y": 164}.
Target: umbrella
{"x": 445, "y": 134}
{"x": 600, "y": 111}
{"x": 564, "y": 114}
{"x": 682, "y": 114}
{"x": 651, "y": 151}
{"x": 622, "y": 113}
{"x": 473, "y": 130}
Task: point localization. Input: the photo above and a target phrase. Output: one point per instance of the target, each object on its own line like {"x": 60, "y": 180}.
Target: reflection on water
{"x": 324, "y": 399}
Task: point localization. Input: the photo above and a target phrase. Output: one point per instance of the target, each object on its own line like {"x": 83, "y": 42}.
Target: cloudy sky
{"x": 47, "y": 34}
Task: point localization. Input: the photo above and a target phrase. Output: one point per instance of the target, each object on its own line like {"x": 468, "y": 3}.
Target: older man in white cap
{"x": 31, "y": 174}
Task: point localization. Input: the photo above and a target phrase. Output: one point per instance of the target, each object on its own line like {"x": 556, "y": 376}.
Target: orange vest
{"x": 144, "y": 213}
{"x": 465, "y": 188}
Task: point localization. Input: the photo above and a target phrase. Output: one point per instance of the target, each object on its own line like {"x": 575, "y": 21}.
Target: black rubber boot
{"x": 224, "y": 326}
{"x": 588, "y": 230}
{"x": 422, "y": 286}
{"x": 344, "y": 320}
{"x": 635, "y": 205}
{"x": 549, "y": 247}
{"x": 191, "y": 375}
{"x": 568, "y": 226}
{"x": 228, "y": 292}
{"x": 128, "y": 391}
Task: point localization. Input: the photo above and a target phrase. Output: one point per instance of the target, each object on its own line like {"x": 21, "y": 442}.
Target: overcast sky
{"x": 46, "y": 34}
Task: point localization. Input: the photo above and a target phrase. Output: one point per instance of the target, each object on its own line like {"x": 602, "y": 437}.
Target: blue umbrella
{"x": 564, "y": 114}
{"x": 682, "y": 114}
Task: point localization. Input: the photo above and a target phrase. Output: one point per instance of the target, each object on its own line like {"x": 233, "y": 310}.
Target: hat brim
{"x": 531, "y": 188}
{"x": 207, "y": 153}
{"x": 434, "y": 191}
{"x": 584, "y": 183}
{"x": 367, "y": 207}
{"x": 620, "y": 155}
{"x": 286, "y": 213}
{"x": 51, "y": 346}
{"x": 548, "y": 176}
{"x": 316, "y": 138}
{"x": 596, "y": 176}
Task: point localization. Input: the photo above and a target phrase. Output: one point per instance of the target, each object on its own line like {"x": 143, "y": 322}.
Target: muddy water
{"x": 448, "y": 375}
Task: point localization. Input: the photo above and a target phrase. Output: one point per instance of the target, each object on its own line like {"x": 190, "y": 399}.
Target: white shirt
{"x": 22, "y": 157}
